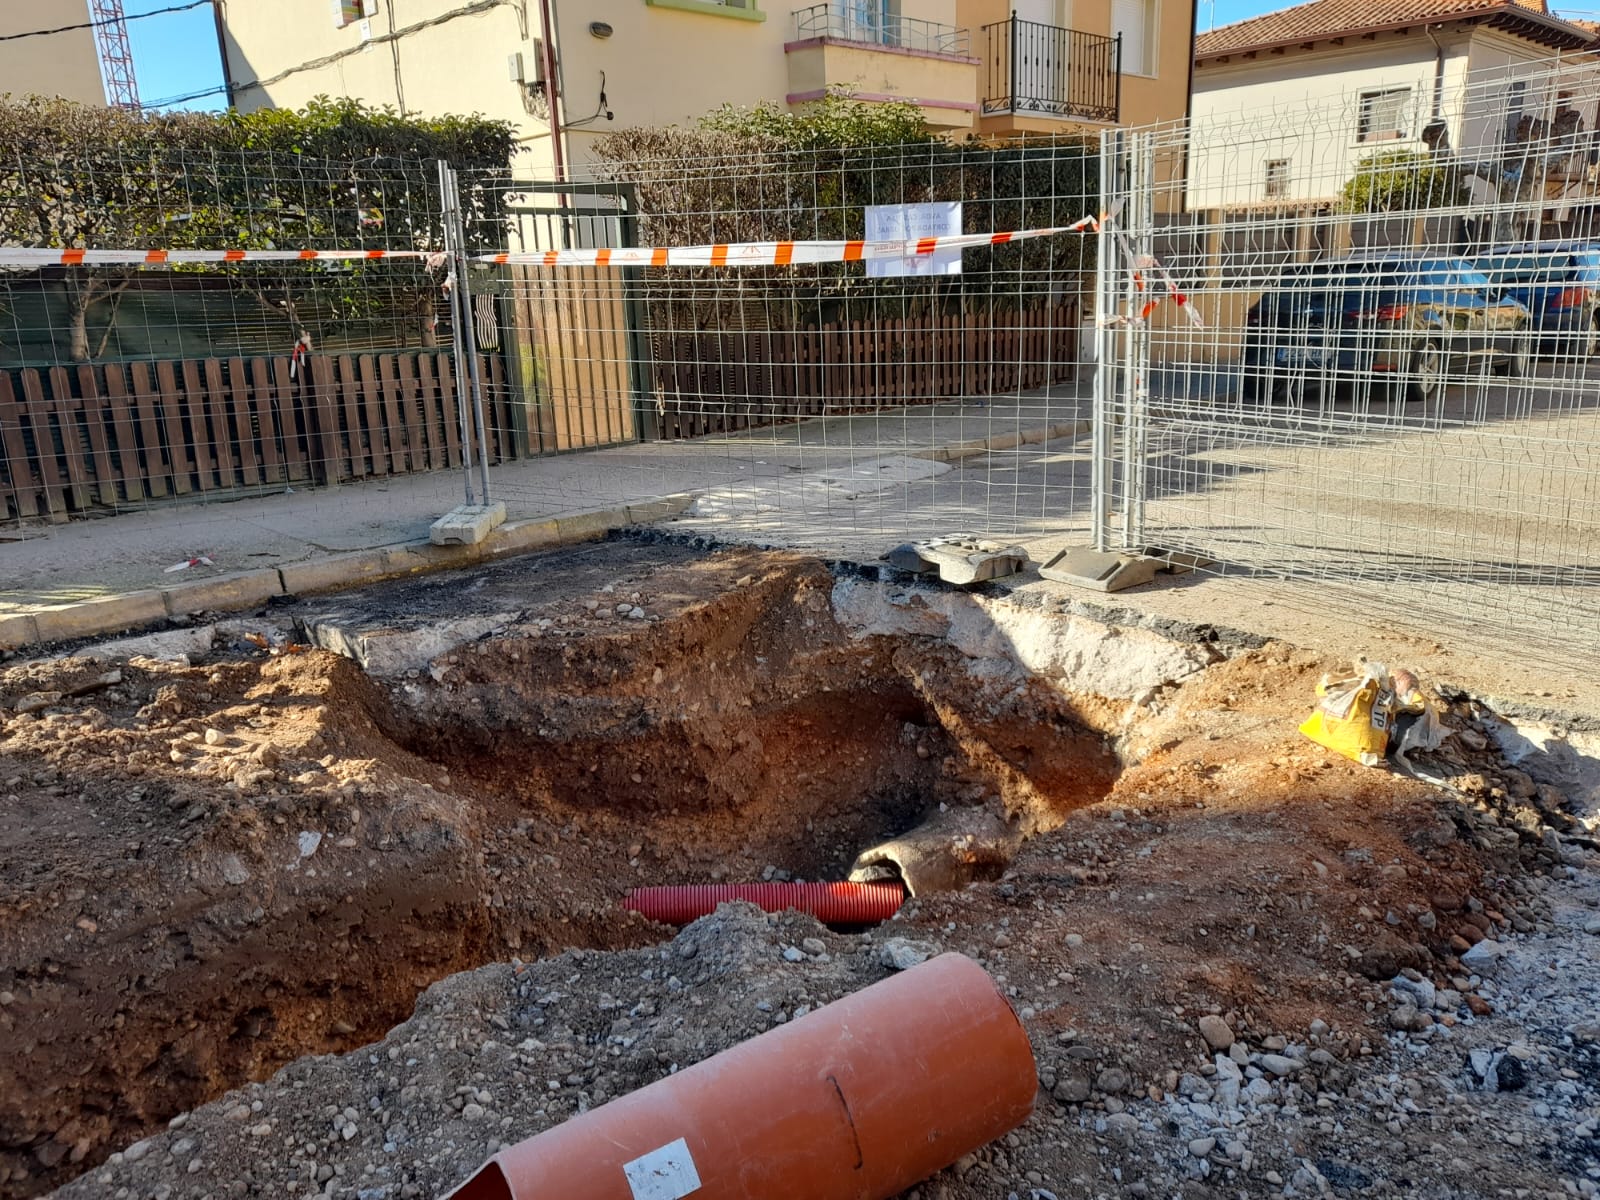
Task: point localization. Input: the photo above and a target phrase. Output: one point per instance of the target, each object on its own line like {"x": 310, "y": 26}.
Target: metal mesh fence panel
{"x": 839, "y": 404}
{"x": 1391, "y": 404}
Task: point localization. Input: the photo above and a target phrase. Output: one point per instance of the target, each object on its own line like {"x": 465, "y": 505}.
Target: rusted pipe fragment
{"x": 834, "y": 903}
{"x": 856, "y": 1101}
{"x": 956, "y": 848}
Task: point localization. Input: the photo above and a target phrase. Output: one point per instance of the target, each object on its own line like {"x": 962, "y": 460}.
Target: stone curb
{"x": 249, "y": 589}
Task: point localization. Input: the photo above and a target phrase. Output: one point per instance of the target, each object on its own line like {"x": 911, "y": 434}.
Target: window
{"x": 1135, "y": 22}
{"x": 347, "y": 12}
{"x": 1383, "y": 115}
{"x": 868, "y": 20}
{"x": 744, "y": 10}
{"x": 1277, "y": 177}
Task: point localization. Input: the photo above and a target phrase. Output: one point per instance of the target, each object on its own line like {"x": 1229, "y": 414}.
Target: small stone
{"x": 1592, "y": 925}
{"x": 1419, "y": 992}
{"x": 1278, "y": 1064}
{"x": 1123, "y": 1127}
{"x": 136, "y": 1151}
{"x": 1478, "y": 1006}
{"x": 814, "y": 946}
{"x": 472, "y": 1111}
{"x": 1510, "y": 1075}
{"x": 898, "y": 954}
{"x": 1073, "y": 1089}
{"x": 87, "y": 924}
{"x": 636, "y": 613}
{"x": 264, "y": 1129}
{"x": 1483, "y": 958}
{"x": 214, "y": 737}
{"x": 793, "y": 954}
{"x": 1112, "y": 1081}
{"x": 1216, "y": 1032}
{"x": 1200, "y": 1147}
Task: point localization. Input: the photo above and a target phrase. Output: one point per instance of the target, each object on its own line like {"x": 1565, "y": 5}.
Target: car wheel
{"x": 1520, "y": 359}
{"x": 1425, "y": 374}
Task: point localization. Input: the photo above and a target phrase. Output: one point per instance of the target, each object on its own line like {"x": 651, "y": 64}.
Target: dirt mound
{"x": 214, "y": 869}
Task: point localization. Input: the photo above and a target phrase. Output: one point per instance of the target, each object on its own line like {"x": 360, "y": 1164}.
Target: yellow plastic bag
{"x": 1353, "y": 716}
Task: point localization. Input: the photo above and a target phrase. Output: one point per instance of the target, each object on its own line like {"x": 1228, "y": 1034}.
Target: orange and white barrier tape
{"x": 771, "y": 254}
{"x": 27, "y": 256}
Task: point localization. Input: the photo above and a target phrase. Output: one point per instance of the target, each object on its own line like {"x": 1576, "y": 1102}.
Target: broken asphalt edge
{"x": 250, "y": 589}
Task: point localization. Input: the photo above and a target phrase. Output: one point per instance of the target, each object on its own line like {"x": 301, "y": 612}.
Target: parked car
{"x": 1560, "y": 284}
{"x": 1399, "y": 322}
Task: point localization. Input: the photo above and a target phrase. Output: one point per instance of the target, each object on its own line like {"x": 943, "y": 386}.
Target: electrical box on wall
{"x": 527, "y": 68}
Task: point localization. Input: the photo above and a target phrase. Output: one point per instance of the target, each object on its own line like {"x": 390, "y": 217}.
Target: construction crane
{"x": 116, "y": 59}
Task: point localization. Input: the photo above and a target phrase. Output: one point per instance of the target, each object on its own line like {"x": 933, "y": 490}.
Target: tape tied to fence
{"x": 773, "y": 254}
{"x": 28, "y": 256}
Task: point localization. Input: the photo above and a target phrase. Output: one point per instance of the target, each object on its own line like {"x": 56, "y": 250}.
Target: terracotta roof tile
{"x": 1335, "y": 18}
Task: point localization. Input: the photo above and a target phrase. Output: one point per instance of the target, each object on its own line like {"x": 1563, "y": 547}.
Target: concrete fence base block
{"x": 467, "y": 525}
{"x": 226, "y": 593}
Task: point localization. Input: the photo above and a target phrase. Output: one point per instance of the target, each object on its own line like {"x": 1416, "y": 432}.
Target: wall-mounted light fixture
{"x": 600, "y": 29}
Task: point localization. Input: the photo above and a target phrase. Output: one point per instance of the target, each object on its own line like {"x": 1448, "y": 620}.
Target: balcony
{"x": 861, "y": 51}
{"x": 868, "y": 25}
{"x": 1034, "y": 70}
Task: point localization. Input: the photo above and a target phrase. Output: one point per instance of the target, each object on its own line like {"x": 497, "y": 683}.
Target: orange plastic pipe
{"x": 858, "y": 1100}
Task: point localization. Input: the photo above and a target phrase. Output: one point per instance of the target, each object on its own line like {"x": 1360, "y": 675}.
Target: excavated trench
{"x": 232, "y": 865}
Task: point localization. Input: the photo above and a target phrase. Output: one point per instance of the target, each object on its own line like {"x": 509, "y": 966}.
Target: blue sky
{"x": 175, "y": 54}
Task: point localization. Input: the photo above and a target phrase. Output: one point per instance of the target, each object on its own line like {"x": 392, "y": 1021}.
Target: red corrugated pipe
{"x": 832, "y": 903}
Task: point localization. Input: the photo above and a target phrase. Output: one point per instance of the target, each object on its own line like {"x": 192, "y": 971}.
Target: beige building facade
{"x": 566, "y": 72}
{"x": 57, "y": 64}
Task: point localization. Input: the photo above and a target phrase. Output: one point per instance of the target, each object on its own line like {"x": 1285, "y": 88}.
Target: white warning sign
{"x": 911, "y": 223}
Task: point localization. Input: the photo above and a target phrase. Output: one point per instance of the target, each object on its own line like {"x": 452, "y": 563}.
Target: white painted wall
{"x": 1300, "y": 107}
{"x": 1305, "y": 107}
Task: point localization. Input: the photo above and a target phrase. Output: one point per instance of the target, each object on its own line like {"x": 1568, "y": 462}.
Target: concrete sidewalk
{"x": 71, "y": 580}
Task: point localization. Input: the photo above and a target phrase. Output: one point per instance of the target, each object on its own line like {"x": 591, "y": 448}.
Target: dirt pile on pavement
{"x": 1247, "y": 968}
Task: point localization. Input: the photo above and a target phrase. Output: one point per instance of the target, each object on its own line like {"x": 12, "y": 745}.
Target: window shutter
{"x": 1131, "y": 19}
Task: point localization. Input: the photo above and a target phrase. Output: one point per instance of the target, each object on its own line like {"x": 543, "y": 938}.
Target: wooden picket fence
{"x": 73, "y": 439}
{"x": 717, "y": 382}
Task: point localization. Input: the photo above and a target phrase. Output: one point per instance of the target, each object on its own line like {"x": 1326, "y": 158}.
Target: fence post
{"x": 1105, "y": 303}
{"x": 460, "y": 314}
{"x": 1139, "y": 223}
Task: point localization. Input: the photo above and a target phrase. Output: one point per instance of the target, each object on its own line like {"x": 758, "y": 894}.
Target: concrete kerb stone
{"x": 89, "y": 617}
{"x": 225, "y": 593}
{"x": 341, "y": 571}
{"x": 522, "y": 537}
{"x": 584, "y": 527}
{"x": 17, "y": 631}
